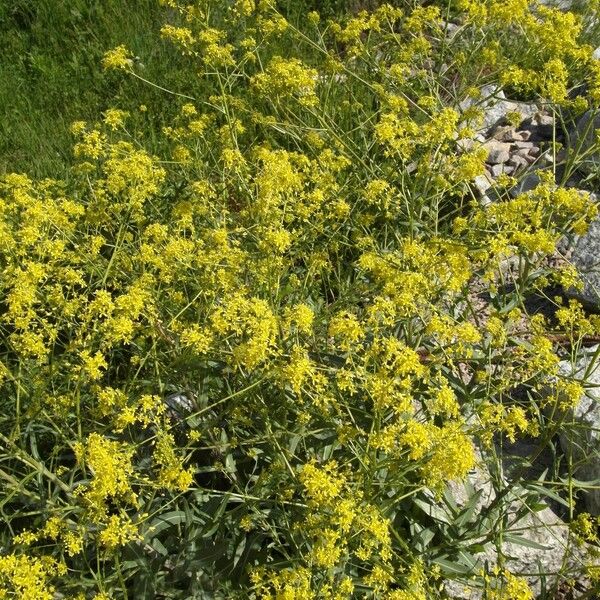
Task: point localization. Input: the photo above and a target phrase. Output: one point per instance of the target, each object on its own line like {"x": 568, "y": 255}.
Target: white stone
{"x": 562, "y": 4}
{"x": 585, "y": 256}
{"x": 498, "y": 152}
{"x": 482, "y": 184}
{"x": 497, "y": 170}
{"x": 495, "y": 106}
{"x": 546, "y": 546}
{"x": 580, "y": 437}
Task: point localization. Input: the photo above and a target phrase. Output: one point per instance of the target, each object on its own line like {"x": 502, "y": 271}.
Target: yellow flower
{"x": 115, "y": 118}
{"x": 117, "y": 58}
{"x": 346, "y": 328}
{"x": 26, "y": 578}
{"x": 323, "y": 484}
{"x": 92, "y": 366}
{"x": 287, "y": 78}
{"x": 118, "y": 531}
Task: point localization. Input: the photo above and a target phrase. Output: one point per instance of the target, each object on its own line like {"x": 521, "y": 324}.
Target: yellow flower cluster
{"x": 27, "y": 578}
{"x": 117, "y": 58}
{"x": 287, "y": 78}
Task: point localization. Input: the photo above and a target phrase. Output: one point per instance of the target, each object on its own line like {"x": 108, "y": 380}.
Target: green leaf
{"x": 523, "y": 541}
{"x": 449, "y": 566}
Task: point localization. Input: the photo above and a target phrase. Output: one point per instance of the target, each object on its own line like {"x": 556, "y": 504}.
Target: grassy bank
{"x": 50, "y": 74}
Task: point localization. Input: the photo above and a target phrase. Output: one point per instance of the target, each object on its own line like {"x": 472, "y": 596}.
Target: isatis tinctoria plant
{"x": 251, "y": 366}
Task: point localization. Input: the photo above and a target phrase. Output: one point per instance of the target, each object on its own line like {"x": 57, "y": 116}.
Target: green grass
{"x": 50, "y": 73}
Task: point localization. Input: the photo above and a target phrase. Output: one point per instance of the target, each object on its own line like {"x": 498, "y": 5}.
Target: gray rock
{"x": 523, "y": 145}
{"x": 540, "y": 127}
{"x": 498, "y": 152}
{"x": 546, "y": 548}
{"x": 450, "y": 29}
{"x": 524, "y": 153}
{"x": 497, "y": 170}
{"x": 495, "y": 106}
{"x": 596, "y": 53}
{"x": 528, "y": 183}
{"x": 505, "y": 133}
{"x": 465, "y": 144}
{"x": 519, "y": 162}
{"x": 178, "y": 405}
{"x": 586, "y": 258}
{"x": 546, "y": 158}
{"x": 543, "y": 119}
{"x": 482, "y": 183}
{"x": 583, "y": 140}
{"x": 580, "y": 436}
{"x": 562, "y": 4}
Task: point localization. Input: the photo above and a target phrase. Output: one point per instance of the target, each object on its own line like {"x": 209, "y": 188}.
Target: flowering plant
{"x": 252, "y": 366}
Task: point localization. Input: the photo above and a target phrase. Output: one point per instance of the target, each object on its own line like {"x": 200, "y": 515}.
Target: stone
{"x": 518, "y": 153}
{"x": 583, "y": 140}
{"x": 450, "y": 29}
{"x": 528, "y": 154}
{"x": 518, "y": 162}
{"x": 585, "y": 256}
{"x": 505, "y": 133}
{"x": 528, "y": 183}
{"x": 561, "y": 4}
{"x": 522, "y": 145}
{"x": 178, "y": 405}
{"x": 546, "y": 158}
{"x": 497, "y": 170}
{"x": 483, "y": 184}
{"x": 580, "y": 436}
{"x": 543, "y": 119}
{"x": 596, "y": 53}
{"x": 540, "y": 127}
{"x": 522, "y": 153}
{"x": 546, "y": 547}
{"x": 465, "y": 144}
{"x": 498, "y": 152}
{"x": 495, "y": 106}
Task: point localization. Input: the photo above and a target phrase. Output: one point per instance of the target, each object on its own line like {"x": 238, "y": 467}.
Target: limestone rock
{"x": 498, "y": 152}
{"x": 528, "y": 183}
{"x": 540, "y": 127}
{"x": 505, "y": 133}
{"x": 562, "y": 4}
{"x": 580, "y": 438}
{"x": 496, "y": 106}
{"x": 497, "y": 170}
{"x": 519, "y": 162}
{"x": 583, "y": 140}
{"x": 534, "y": 541}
